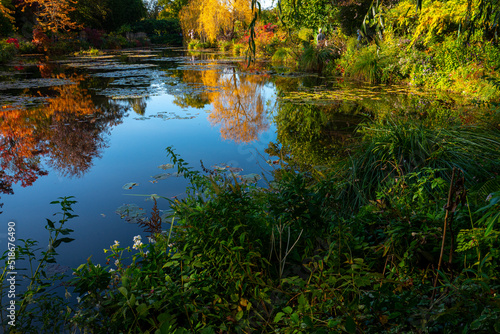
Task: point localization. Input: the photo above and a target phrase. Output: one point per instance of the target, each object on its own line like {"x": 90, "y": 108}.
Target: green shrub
{"x": 283, "y": 55}
{"x": 26, "y": 47}
{"x": 239, "y": 48}
{"x": 166, "y": 31}
{"x": 7, "y": 51}
{"x": 224, "y": 46}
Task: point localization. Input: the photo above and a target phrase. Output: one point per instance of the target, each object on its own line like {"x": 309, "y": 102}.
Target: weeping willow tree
{"x": 212, "y": 19}
{"x": 426, "y": 19}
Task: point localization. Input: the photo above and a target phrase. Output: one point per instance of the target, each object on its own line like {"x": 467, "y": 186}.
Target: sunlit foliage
{"x": 239, "y": 108}
{"x": 214, "y": 18}
{"x": 53, "y": 15}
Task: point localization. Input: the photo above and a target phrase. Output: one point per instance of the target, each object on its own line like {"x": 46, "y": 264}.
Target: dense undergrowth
{"x": 361, "y": 249}
{"x": 399, "y": 235}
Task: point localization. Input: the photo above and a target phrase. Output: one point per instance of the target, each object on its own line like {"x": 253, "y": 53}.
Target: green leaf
{"x": 132, "y": 300}
{"x": 350, "y": 325}
{"x": 142, "y": 309}
{"x": 50, "y": 223}
{"x": 475, "y": 325}
{"x": 123, "y": 291}
{"x": 288, "y": 310}
{"x": 239, "y": 315}
{"x": 66, "y": 240}
{"x": 278, "y": 316}
{"x": 492, "y": 221}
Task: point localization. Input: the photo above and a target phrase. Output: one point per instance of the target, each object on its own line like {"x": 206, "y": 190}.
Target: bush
{"x": 26, "y": 47}
{"x": 239, "y": 48}
{"x": 224, "y": 46}
{"x": 167, "y": 31}
{"x": 7, "y": 51}
{"x": 244, "y": 259}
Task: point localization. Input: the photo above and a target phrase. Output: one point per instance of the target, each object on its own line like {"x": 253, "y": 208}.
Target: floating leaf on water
{"x": 220, "y": 167}
{"x": 152, "y": 197}
{"x": 161, "y": 176}
{"x": 131, "y": 213}
{"x": 166, "y": 166}
{"x": 164, "y": 176}
{"x": 250, "y": 177}
{"x": 130, "y": 185}
{"x": 235, "y": 170}
{"x": 103, "y": 215}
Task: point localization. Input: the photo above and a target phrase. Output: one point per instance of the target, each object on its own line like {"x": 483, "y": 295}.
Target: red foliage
{"x": 13, "y": 41}
{"x": 40, "y": 39}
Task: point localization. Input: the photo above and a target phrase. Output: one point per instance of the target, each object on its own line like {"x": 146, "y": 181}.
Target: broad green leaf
{"x": 123, "y": 291}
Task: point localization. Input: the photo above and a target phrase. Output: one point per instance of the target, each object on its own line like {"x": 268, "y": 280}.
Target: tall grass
{"x": 391, "y": 150}
{"x": 367, "y": 66}
{"x": 314, "y": 59}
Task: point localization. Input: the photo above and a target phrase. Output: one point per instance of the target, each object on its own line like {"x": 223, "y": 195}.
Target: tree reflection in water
{"x": 240, "y": 107}
{"x": 68, "y": 132}
{"x": 238, "y": 102}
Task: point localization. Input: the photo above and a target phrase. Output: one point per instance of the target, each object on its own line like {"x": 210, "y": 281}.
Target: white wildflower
{"x": 115, "y": 245}
{"x": 137, "y": 242}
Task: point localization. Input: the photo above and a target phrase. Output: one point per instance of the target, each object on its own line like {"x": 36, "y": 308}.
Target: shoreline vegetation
{"x": 396, "y": 230}
{"x": 447, "y": 46}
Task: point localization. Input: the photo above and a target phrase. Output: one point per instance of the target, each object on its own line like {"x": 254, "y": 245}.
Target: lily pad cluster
{"x": 164, "y": 115}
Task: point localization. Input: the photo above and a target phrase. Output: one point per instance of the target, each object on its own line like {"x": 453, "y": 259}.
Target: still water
{"x": 96, "y": 128}
{"x": 87, "y": 126}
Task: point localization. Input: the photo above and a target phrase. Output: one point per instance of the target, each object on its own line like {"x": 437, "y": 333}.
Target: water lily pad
{"x": 166, "y": 166}
{"x": 235, "y": 170}
{"x": 131, "y": 213}
{"x": 250, "y": 177}
{"x": 164, "y": 176}
{"x": 161, "y": 176}
{"x": 130, "y": 185}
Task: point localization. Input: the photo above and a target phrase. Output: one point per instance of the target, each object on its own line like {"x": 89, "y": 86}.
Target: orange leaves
{"x": 53, "y": 15}
{"x": 59, "y": 129}
{"x": 239, "y": 108}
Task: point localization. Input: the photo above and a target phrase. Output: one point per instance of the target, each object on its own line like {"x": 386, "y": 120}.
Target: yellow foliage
{"x": 434, "y": 19}
{"x": 238, "y": 102}
{"x": 189, "y": 17}
{"x": 6, "y": 12}
{"x": 210, "y": 18}
{"x": 239, "y": 108}
{"x": 53, "y": 15}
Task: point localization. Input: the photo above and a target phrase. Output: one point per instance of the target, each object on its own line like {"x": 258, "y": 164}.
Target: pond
{"x": 97, "y": 128}
{"x": 93, "y": 127}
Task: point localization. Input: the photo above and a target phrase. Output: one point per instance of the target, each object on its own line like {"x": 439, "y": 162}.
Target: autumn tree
{"x": 52, "y": 15}
{"x": 6, "y": 17}
{"x": 213, "y": 18}
{"x": 189, "y": 18}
